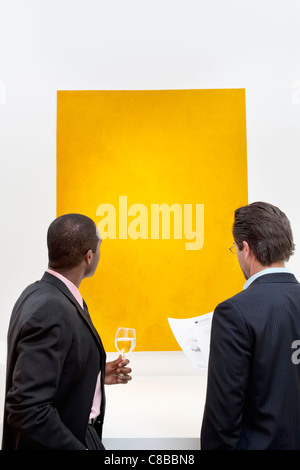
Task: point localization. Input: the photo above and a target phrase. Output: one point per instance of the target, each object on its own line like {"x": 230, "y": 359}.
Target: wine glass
{"x": 125, "y": 340}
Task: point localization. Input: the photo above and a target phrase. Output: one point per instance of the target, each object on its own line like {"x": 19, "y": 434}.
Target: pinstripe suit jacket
{"x": 253, "y": 389}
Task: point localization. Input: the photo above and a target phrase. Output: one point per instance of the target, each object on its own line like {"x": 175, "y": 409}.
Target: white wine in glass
{"x": 125, "y": 340}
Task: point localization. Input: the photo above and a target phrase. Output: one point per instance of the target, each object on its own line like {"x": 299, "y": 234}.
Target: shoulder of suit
{"x": 261, "y": 285}
{"x": 43, "y": 294}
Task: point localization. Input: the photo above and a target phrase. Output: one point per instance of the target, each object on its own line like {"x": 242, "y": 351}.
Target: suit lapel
{"x": 82, "y": 311}
{"x": 87, "y": 317}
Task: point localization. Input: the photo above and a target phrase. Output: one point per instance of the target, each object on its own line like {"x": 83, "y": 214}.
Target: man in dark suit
{"x": 56, "y": 363}
{"x": 253, "y": 389}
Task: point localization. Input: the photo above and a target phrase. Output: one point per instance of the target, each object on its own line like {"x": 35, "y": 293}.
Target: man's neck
{"x": 256, "y": 267}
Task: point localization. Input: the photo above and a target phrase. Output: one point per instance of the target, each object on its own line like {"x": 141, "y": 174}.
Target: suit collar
{"x": 272, "y": 277}
{"x": 47, "y": 277}
{"x": 72, "y": 288}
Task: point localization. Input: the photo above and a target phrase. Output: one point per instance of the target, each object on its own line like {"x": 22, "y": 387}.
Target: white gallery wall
{"x": 52, "y": 45}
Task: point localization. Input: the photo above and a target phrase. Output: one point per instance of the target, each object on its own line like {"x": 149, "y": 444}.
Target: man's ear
{"x": 88, "y": 256}
{"x": 246, "y": 248}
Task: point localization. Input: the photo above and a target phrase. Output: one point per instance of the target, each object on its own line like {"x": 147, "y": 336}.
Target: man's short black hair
{"x": 266, "y": 229}
{"x": 69, "y": 237}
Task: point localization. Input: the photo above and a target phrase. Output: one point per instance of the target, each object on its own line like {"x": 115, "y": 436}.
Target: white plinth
{"x": 161, "y": 408}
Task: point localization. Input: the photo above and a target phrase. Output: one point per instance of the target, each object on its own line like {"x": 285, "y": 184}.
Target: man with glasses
{"x": 253, "y": 385}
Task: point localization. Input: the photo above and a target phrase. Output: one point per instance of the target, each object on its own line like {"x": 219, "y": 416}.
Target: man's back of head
{"x": 69, "y": 237}
{"x": 266, "y": 229}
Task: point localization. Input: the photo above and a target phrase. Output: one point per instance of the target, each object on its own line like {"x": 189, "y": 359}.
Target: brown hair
{"x": 266, "y": 229}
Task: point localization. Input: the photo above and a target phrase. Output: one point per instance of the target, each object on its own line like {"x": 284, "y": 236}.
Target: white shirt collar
{"x": 265, "y": 271}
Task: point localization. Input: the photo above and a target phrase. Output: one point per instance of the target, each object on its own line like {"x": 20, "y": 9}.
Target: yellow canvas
{"x": 160, "y": 173}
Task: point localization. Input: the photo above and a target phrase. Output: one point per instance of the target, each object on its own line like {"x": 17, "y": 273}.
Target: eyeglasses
{"x": 233, "y": 249}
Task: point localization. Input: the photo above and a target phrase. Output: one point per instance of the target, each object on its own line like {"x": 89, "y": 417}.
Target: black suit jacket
{"x": 253, "y": 390}
{"x": 54, "y": 358}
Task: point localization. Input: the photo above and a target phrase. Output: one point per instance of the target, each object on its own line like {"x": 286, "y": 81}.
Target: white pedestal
{"x": 161, "y": 408}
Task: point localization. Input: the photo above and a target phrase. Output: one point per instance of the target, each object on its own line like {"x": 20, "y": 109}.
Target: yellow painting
{"x": 161, "y": 173}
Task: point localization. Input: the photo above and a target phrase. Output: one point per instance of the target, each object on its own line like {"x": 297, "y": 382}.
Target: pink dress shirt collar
{"x": 74, "y": 290}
